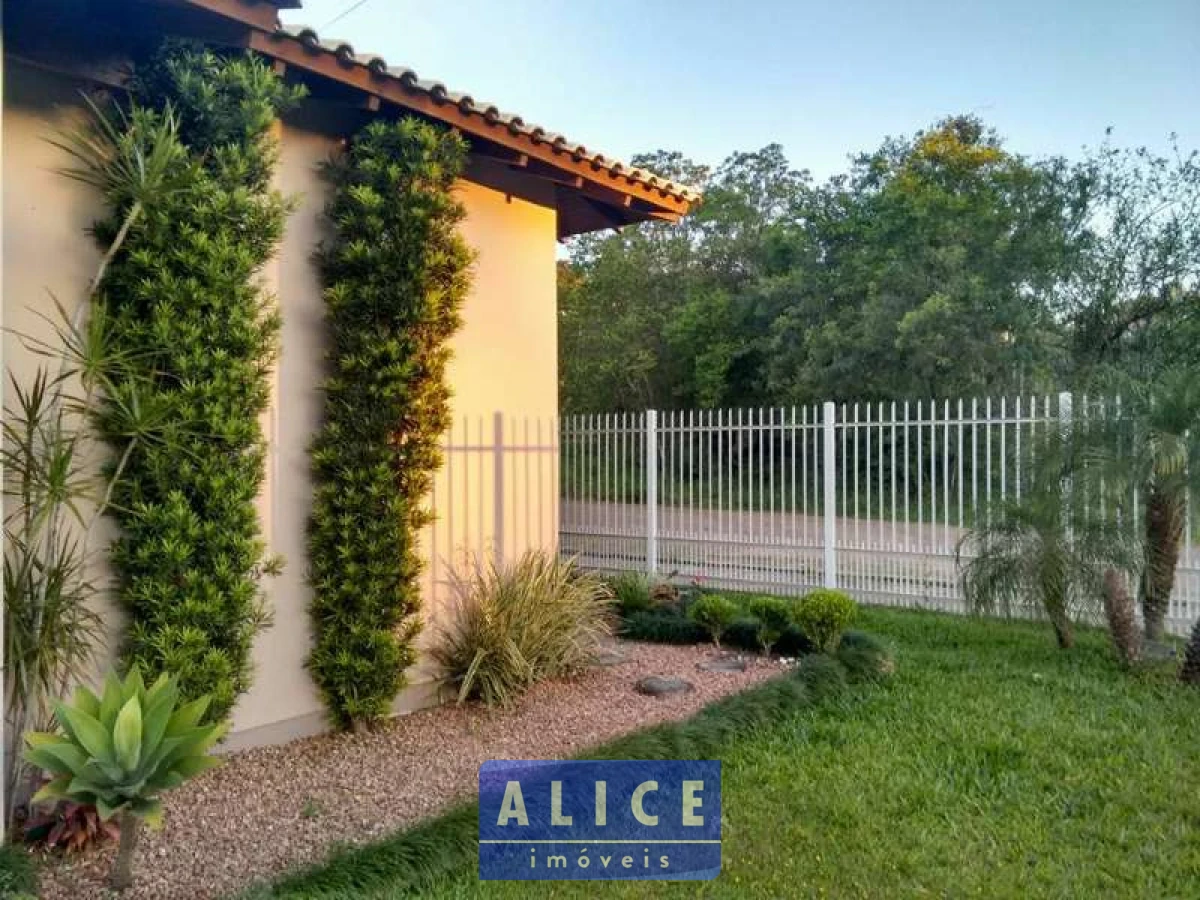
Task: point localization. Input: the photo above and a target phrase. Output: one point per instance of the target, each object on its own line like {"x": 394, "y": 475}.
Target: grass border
{"x": 412, "y": 861}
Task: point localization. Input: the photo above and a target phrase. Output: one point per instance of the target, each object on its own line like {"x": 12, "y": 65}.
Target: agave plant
{"x": 120, "y": 750}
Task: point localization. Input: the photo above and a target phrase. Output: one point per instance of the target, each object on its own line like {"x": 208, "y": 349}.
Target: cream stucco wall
{"x": 505, "y": 361}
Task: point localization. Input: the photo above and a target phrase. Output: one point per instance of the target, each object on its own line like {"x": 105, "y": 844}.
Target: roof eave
{"x": 633, "y": 195}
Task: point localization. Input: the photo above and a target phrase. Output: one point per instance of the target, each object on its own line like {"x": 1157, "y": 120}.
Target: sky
{"x": 824, "y": 78}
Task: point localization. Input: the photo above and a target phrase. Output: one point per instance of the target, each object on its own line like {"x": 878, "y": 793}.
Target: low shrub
{"x": 773, "y": 616}
{"x": 823, "y": 675}
{"x": 631, "y": 590}
{"x": 715, "y": 613}
{"x": 662, "y": 626}
{"x": 823, "y": 615}
{"x": 18, "y": 876}
{"x": 865, "y": 656}
{"x": 518, "y": 623}
{"x": 412, "y": 862}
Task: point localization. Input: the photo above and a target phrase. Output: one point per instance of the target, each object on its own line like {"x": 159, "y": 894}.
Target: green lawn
{"x": 993, "y": 765}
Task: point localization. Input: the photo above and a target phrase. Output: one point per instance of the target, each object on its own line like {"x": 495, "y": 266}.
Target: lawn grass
{"x": 992, "y": 765}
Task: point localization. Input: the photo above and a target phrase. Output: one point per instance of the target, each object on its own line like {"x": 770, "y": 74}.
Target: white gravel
{"x": 272, "y": 809}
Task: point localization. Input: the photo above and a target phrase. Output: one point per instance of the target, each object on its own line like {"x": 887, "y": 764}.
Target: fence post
{"x": 1066, "y": 428}
{"x": 651, "y": 491}
{"x": 829, "y": 476}
{"x": 498, "y": 486}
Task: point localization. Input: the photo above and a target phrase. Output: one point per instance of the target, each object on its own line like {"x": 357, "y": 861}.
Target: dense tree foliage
{"x": 939, "y": 265}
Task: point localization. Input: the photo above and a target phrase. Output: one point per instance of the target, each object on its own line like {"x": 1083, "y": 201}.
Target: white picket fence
{"x": 871, "y": 498}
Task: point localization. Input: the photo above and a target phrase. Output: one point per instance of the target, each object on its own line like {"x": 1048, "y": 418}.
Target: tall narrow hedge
{"x": 185, "y": 307}
{"x": 395, "y": 275}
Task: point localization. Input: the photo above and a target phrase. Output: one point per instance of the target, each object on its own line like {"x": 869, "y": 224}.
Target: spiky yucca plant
{"x": 121, "y": 750}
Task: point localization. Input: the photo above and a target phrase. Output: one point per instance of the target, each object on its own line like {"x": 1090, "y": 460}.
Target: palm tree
{"x": 1152, "y": 451}
{"x": 1049, "y": 551}
{"x": 1190, "y": 674}
{"x": 1166, "y": 457}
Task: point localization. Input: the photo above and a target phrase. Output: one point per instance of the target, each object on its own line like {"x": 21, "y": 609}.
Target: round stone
{"x": 610, "y": 657}
{"x": 661, "y": 685}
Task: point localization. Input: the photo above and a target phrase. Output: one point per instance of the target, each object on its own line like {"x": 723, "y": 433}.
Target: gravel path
{"x": 273, "y": 808}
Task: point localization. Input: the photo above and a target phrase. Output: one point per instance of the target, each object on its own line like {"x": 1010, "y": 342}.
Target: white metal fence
{"x": 872, "y": 498}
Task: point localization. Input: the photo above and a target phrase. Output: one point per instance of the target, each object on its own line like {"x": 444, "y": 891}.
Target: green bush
{"x": 667, "y": 626}
{"x": 120, "y": 750}
{"x": 18, "y": 875}
{"x": 715, "y": 613}
{"x": 823, "y": 615}
{"x": 519, "y": 623}
{"x": 661, "y": 626}
{"x": 773, "y": 616}
{"x": 631, "y": 591}
{"x": 395, "y": 275}
{"x": 184, "y": 306}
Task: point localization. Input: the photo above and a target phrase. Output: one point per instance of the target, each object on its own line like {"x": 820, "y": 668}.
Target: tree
{"x": 1131, "y": 297}
{"x": 930, "y": 250}
{"x": 661, "y": 315}
{"x": 1190, "y": 674}
{"x": 1153, "y": 450}
{"x": 1047, "y": 551}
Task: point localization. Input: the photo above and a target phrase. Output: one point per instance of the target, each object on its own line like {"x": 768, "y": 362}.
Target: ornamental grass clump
{"x": 517, "y": 623}
{"x": 121, "y": 750}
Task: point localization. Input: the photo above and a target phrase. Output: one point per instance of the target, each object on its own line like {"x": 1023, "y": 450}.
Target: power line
{"x": 351, "y": 8}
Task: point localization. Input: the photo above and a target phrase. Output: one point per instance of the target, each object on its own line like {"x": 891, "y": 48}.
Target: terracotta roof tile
{"x": 491, "y": 115}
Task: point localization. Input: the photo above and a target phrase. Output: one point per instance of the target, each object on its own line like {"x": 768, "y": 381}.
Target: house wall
{"x": 505, "y": 361}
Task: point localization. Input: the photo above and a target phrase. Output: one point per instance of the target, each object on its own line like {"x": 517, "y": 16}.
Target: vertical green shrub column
{"x": 395, "y": 275}
{"x": 198, "y": 334}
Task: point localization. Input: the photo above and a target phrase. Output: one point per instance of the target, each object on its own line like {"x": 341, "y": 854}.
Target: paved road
{"x": 905, "y": 564}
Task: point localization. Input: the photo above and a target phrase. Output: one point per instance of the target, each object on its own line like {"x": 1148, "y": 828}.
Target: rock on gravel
{"x": 272, "y": 809}
{"x": 661, "y": 686}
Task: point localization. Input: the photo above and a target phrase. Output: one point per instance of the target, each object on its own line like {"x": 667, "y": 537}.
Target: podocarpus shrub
{"x": 185, "y": 310}
{"x": 715, "y": 613}
{"x": 823, "y": 615}
{"x": 395, "y": 275}
{"x": 773, "y": 616}
{"x": 517, "y": 623}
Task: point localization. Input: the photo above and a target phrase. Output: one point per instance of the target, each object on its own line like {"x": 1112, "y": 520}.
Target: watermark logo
{"x": 599, "y": 820}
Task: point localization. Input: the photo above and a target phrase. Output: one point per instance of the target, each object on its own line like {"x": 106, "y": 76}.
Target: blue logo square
{"x": 592, "y": 820}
